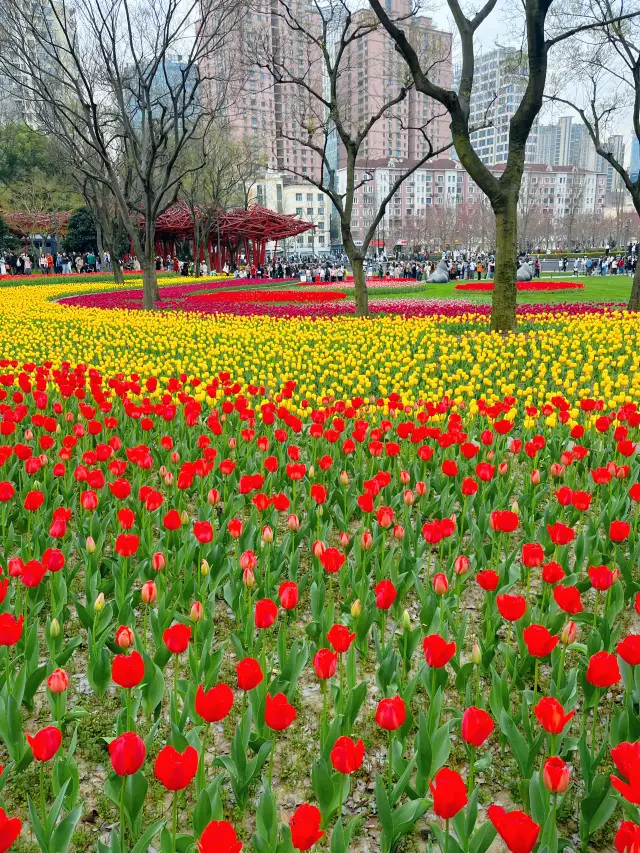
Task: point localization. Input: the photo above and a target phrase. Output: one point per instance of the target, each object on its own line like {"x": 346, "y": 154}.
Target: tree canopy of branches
{"x": 545, "y": 24}
{"x": 603, "y": 70}
{"x": 118, "y": 84}
{"x": 311, "y": 63}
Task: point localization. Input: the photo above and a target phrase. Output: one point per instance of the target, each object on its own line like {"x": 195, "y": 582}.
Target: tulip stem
{"x": 508, "y": 650}
{"x": 144, "y": 626}
{"x": 175, "y": 820}
{"x": 472, "y": 768}
{"x": 43, "y": 801}
{"x": 561, "y": 670}
{"x": 203, "y": 747}
{"x": 323, "y": 726}
{"x": 593, "y": 723}
{"x": 595, "y": 608}
{"x": 446, "y": 835}
{"x": 341, "y": 681}
{"x": 273, "y": 749}
{"x": 122, "y": 825}
{"x": 7, "y": 669}
{"x": 390, "y": 768}
{"x": 175, "y": 685}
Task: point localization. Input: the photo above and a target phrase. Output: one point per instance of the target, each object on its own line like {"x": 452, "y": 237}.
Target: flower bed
{"x": 535, "y": 286}
{"x": 267, "y": 296}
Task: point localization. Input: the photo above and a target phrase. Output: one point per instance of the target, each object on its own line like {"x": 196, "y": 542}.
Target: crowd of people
{"x": 46, "y": 263}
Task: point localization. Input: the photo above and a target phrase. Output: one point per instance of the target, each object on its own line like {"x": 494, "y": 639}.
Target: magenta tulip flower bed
{"x": 377, "y": 627}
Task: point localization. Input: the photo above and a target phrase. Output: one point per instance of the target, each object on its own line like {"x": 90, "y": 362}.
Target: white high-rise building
{"x": 499, "y": 83}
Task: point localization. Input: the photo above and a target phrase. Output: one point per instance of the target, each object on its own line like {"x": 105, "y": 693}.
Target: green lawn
{"x": 604, "y": 288}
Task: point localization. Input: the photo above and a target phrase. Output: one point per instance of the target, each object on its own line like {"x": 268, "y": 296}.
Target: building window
{"x": 321, "y": 239}
{"x": 309, "y": 196}
{"x": 309, "y": 211}
{"x": 299, "y": 197}
{"x": 298, "y": 211}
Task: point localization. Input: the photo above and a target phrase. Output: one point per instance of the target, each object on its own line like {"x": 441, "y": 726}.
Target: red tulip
{"x": 53, "y": 560}
{"x": 89, "y": 501}
{"x": 619, "y": 531}
{"x": 440, "y": 584}
{"x": 556, "y": 775}
{"x": 560, "y": 534}
{"x": 603, "y": 670}
{"x": 449, "y": 793}
{"x": 174, "y": 769}
{"x": 249, "y": 673}
{"x": 278, "y": 713}
{"x": 219, "y": 837}
{"x": 341, "y": 638}
{"x": 128, "y": 753}
{"x": 626, "y": 757}
{"x": 504, "y": 521}
{"x": 629, "y": 649}
{"x": 568, "y": 599}
{"x": 347, "y": 755}
{"x": 214, "y": 704}
{"x": 391, "y": 713}
{"x": 288, "y": 593}
{"x": 511, "y": 607}
{"x": 124, "y": 637}
{"x": 305, "y": 827}
{"x": 45, "y": 743}
{"x": 332, "y": 560}
{"x": 437, "y": 651}
{"x": 551, "y": 715}
{"x": 627, "y": 838}
{"x": 477, "y": 725}
{"x": 127, "y": 544}
{"x": 203, "y": 531}
{"x": 9, "y": 830}
{"x": 324, "y": 663}
{"x": 32, "y": 573}
{"x": 33, "y": 501}
{"x": 7, "y": 491}
{"x": 601, "y": 577}
{"x": 266, "y": 613}
{"x": 539, "y": 641}
{"x": 532, "y": 555}
{"x": 517, "y": 830}
{"x": 127, "y": 670}
{"x": 488, "y": 580}
{"x": 176, "y": 638}
{"x": 10, "y": 629}
{"x": 58, "y": 681}
{"x": 234, "y": 526}
{"x": 385, "y": 595}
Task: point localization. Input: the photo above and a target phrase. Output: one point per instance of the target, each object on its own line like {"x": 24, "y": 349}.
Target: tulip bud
{"x": 168, "y": 479}
{"x": 398, "y": 532}
{"x": 535, "y": 477}
{"x": 124, "y": 637}
{"x": 197, "y": 611}
{"x": 175, "y": 457}
{"x": 58, "y": 681}
{"x": 514, "y": 507}
{"x": 440, "y": 584}
{"x": 556, "y": 775}
{"x": 461, "y": 565}
{"x": 184, "y": 517}
{"x": 99, "y": 603}
{"x": 491, "y": 455}
{"x": 344, "y": 478}
{"x": 318, "y": 548}
{"x": 248, "y": 560}
{"x": 158, "y": 561}
{"x": 319, "y": 511}
{"x": 420, "y": 488}
{"x": 293, "y": 522}
{"x": 149, "y": 592}
{"x": 344, "y": 539}
{"x": 476, "y": 654}
{"x": 366, "y": 541}
{"x": 90, "y": 545}
{"x": 267, "y": 534}
{"x": 213, "y": 496}
{"x": 231, "y": 443}
{"x": 311, "y": 472}
{"x": 503, "y": 468}
{"x": 405, "y": 478}
{"x": 356, "y": 608}
{"x": 54, "y": 628}
{"x": 204, "y": 568}
{"x": 406, "y": 621}
{"x": 28, "y": 435}
{"x": 248, "y": 578}
{"x": 569, "y": 633}
{"x": 162, "y": 470}
{"x": 615, "y": 576}
{"x": 408, "y": 497}
{"x": 58, "y": 429}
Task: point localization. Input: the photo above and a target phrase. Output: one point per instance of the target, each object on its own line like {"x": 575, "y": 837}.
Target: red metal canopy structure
{"x": 247, "y": 231}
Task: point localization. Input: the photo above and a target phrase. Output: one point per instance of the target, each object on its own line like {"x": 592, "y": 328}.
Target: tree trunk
{"x": 503, "y": 306}
{"x": 117, "y": 269}
{"x": 149, "y": 277}
{"x": 360, "y": 287}
{"x": 634, "y": 299}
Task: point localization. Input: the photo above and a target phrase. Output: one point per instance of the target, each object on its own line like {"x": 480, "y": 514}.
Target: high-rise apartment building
{"x": 615, "y": 144}
{"x": 635, "y": 158}
{"x": 567, "y": 143}
{"x": 500, "y": 80}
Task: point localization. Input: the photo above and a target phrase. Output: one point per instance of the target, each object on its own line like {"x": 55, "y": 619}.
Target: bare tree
{"x": 313, "y": 61}
{"x": 117, "y": 82}
{"x": 503, "y": 191}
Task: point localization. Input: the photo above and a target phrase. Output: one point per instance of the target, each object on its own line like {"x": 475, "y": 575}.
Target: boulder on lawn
{"x": 440, "y": 275}
{"x": 524, "y": 273}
